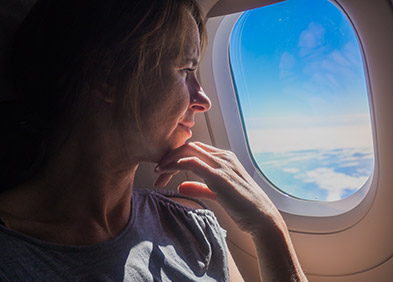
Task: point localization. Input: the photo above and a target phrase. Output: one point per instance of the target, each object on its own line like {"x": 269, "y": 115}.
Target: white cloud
{"x": 363, "y": 171}
{"x": 291, "y": 170}
{"x": 369, "y": 156}
{"x": 332, "y": 70}
{"x": 352, "y": 53}
{"x": 349, "y": 152}
{"x": 334, "y": 183}
{"x": 351, "y": 155}
{"x": 290, "y": 158}
{"x": 350, "y": 164}
{"x": 347, "y": 158}
{"x": 287, "y": 61}
{"x": 325, "y": 68}
{"x": 339, "y": 58}
{"x": 312, "y": 36}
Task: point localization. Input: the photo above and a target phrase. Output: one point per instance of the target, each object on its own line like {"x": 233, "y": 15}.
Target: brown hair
{"x": 66, "y": 49}
{"x": 131, "y": 67}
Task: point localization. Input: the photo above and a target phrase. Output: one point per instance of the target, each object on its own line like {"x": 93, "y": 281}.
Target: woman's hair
{"x": 67, "y": 49}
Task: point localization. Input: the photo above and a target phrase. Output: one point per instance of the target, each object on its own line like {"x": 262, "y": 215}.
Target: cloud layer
{"x": 335, "y": 183}
{"x": 326, "y": 175}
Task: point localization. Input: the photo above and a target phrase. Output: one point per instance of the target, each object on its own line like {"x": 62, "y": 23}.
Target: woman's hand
{"x": 226, "y": 181}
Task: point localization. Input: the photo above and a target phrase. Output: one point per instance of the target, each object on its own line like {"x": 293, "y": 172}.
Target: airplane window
{"x": 301, "y": 89}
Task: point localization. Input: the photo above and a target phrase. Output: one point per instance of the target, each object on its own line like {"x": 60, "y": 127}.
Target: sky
{"x": 297, "y": 65}
{"x": 287, "y": 52}
{"x": 300, "y": 81}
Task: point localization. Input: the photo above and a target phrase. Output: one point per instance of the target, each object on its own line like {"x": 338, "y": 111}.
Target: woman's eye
{"x": 189, "y": 70}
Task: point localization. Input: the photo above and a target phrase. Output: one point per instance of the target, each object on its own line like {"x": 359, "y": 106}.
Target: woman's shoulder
{"x": 191, "y": 203}
{"x": 171, "y": 197}
{"x": 170, "y": 210}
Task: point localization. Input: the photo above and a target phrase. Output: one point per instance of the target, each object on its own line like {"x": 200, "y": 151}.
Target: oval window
{"x": 300, "y": 83}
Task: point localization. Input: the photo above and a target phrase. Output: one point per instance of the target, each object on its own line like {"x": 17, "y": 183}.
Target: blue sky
{"x": 297, "y": 65}
{"x": 287, "y": 52}
{"x": 300, "y": 81}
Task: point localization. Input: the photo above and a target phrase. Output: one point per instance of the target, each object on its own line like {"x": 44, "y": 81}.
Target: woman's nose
{"x": 199, "y": 102}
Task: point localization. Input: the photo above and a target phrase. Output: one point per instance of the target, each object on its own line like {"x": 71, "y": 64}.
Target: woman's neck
{"x": 82, "y": 196}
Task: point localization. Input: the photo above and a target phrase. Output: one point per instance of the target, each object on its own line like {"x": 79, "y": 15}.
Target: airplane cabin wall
{"x": 364, "y": 251}
{"x": 357, "y": 245}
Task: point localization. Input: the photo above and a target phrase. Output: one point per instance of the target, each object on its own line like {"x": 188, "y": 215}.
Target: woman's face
{"x": 168, "y": 120}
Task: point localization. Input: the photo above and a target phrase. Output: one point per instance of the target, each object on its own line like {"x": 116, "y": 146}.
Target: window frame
{"x": 301, "y": 215}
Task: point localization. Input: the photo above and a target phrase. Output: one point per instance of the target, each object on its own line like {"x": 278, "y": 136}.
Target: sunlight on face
{"x": 168, "y": 119}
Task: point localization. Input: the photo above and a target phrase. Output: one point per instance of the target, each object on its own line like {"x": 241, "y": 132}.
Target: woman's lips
{"x": 186, "y": 126}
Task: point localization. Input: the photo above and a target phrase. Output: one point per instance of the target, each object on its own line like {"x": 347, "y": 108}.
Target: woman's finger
{"x": 206, "y": 147}
{"x": 196, "y": 190}
{"x": 187, "y": 150}
{"x": 194, "y": 164}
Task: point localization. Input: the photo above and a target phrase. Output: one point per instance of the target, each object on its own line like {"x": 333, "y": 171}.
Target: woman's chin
{"x": 161, "y": 151}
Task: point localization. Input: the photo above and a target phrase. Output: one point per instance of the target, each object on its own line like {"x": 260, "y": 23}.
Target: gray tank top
{"x": 163, "y": 241}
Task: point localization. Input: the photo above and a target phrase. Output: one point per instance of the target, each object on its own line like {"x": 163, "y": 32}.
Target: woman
{"x": 106, "y": 86}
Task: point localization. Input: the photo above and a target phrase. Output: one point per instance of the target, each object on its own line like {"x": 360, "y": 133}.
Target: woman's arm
{"x": 234, "y": 189}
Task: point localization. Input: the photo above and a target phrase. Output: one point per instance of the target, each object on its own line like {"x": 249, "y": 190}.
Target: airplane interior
{"x": 342, "y": 240}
